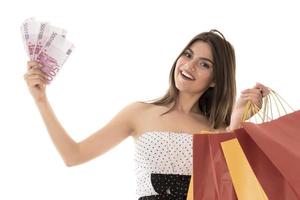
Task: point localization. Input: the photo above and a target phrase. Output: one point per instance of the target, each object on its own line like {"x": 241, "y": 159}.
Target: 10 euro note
{"x": 54, "y": 54}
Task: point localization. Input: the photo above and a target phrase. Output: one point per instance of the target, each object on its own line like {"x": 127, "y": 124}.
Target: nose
{"x": 190, "y": 66}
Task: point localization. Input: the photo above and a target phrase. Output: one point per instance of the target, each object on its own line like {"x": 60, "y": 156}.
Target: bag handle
{"x": 266, "y": 112}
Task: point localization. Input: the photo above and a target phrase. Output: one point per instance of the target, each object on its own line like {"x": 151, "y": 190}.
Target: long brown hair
{"x": 216, "y": 103}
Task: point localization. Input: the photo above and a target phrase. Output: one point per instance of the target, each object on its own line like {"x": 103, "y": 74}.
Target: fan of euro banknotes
{"x": 46, "y": 44}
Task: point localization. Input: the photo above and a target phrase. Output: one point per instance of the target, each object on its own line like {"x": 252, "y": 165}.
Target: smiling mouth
{"x": 186, "y": 76}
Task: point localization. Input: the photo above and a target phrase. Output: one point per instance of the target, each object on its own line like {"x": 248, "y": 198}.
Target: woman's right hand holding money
{"x": 36, "y": 81}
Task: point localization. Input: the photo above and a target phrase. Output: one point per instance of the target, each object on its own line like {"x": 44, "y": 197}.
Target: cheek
{"x": 210, "y": 79}
{"x": 205, "y": 77}
{"x": 176, "y": 67}
{"x": 180, "y": 62}
{"x": 209, "y": 76}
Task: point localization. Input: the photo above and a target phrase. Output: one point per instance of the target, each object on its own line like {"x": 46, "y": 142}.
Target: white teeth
{"x": 187, "y": 75}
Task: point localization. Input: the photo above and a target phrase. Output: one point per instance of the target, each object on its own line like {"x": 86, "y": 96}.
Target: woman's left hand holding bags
{"x": 255, "y": 95}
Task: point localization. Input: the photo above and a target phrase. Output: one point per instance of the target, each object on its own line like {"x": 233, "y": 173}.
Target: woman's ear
{"x": 212, "y": 84}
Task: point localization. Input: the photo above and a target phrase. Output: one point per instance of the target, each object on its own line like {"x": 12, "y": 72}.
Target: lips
{"x": 187, "y": 75}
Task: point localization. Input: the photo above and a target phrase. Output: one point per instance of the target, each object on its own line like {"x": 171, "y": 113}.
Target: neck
{"x": 187, "y": 103}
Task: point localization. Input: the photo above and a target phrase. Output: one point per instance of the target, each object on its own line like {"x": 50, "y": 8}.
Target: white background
{"x": 124, "y": 52}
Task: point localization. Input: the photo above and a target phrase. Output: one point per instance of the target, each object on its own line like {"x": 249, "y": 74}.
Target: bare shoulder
{"x": 138, "y": 112}
{"x": 135, "y": 111}
{"x": 137, "y": 107}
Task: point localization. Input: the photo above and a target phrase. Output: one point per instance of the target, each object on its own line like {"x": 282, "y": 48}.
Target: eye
{"x": 204, "y": 64}
{"x": 187, "y": 54}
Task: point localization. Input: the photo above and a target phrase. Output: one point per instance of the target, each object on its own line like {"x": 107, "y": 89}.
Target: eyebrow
{"x": 203, "y": 58}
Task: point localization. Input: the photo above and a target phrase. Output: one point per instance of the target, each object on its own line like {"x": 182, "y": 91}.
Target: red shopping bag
{"x": 211, "y": 177}
{"x": 280, "y": 142}
{"x": 257, "y": 161}
{"x": 272, "y": 150}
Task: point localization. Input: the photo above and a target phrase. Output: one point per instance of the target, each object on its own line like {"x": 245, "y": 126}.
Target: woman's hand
{"x": 36, "y": 81}
{"x": 255, "y": 95}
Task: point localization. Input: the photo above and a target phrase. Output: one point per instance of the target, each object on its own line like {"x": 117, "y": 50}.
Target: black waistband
{"x": 169, "y": 187}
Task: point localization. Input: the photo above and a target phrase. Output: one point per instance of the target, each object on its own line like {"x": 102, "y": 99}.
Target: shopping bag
{"x": 267, "y": 169}
{"x": 211, "y": 177}
{"x": 245, "y": 183}
{"x": 280, "y": 142}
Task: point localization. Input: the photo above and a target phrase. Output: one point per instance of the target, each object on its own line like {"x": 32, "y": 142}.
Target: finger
{"x": 252, "y": 91}
{"x": 257, "y": 102}
{"x": 265, "y": 90}
{"x": 36, "y": 82}
{"x": 32, "y": 64}
{"x": 37, "y": 71}
{"x": 254, "y": 98}
{"x": 245, "y": 91}
{"x": 29, "y": 80}
{"x": 260, "y": 85}
{"x": 34, "y": 67}
{"x": 261, "y": 91}
{"x": 35, "y": 76}
{"x": 256, "y": 95}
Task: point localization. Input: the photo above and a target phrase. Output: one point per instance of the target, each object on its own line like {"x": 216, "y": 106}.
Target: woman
{"x": 200, "y": 97}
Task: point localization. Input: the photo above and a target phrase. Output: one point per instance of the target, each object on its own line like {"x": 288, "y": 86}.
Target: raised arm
{"x": 73, "y": 153}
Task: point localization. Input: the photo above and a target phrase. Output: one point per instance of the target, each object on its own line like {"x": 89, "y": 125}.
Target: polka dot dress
{"x": 163, "y": 164}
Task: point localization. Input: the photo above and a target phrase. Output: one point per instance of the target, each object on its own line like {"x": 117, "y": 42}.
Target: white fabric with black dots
{"x": 161, "y": 152}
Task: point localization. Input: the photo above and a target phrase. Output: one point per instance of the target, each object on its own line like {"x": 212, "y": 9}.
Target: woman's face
{"x": 194, "y": 69}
